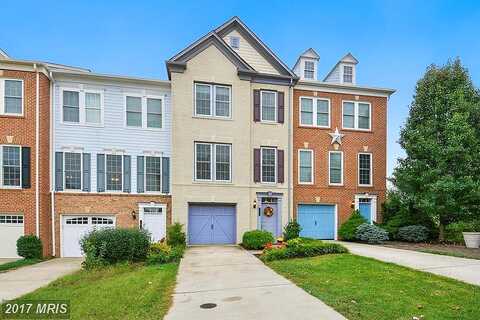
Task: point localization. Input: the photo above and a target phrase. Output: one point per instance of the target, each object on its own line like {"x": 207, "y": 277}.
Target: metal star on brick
{"x": 336, "y": 136}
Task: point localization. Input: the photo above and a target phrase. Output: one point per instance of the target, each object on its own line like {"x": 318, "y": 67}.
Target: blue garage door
{"x": 317, "y": 221}
{"x": 211, "y": 224}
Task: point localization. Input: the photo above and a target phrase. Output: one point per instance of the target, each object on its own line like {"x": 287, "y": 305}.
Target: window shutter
{"x": 140, "y": 175}
{"x": 100, "y": 172}
{"x": 58, "y": 171}
{"x": 256, "y": 105}
{"x": 127, "y": 176}
{"x": 86, "y": 172}
{"x": 280, "y": 166}
{"x": 281, "y": 107}
{"x": 165, "y": 175}
{"x": 256, "y": 165}
{"x": 26, "y": 180}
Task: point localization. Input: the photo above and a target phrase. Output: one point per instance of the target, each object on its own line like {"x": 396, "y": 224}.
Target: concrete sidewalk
{"x": 16, "y": 283}
{"x": 241, "y": 286}
{"x": 466, "y": 270}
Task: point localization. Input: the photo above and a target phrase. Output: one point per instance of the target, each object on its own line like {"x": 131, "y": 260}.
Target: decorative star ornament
{"x": 336, "y": 136}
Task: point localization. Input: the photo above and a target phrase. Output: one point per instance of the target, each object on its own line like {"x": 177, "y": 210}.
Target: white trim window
{"x": 213, "y": 100}
{"x": 357, "y": 115}
{"x": 11, "y": 97}
{"x": 82, "y": 107}
{"x": 347, "y": 74}
{"x": 305, "y": 166}
{"x": 153, "y": 174}
{"x": 315, "y": 112}
{"x": 11, "y": 166}
{"x": 72, "y": 170}
{"x": 268, "y": 106}
{"x": 144, "y": 112}
{"x": 268, "y": 158}
{"x": 309, "y": 70}
{"x": 365, "y": 172}
{"x": 114, "y": 172}
{"x": 335, "y": 168}
{"x": 213, "y": 162}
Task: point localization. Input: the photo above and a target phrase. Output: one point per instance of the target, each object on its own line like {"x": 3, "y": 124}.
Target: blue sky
{"x": 393, "y": 40}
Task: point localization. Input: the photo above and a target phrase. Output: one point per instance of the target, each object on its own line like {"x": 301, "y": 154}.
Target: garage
{"x": 75, "y": 227}
{"x": 318, "y": 221}
{"x": 11, "y": 228}
{"x": 211, "y": 224}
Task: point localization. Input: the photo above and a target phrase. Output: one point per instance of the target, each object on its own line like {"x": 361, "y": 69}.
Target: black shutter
{"x": 256, "y": 105}
{"x": 127, "y": 176}
{"x": 26, "y": 159}
{"x": 165, "y": 175}
{"x": 100, "y": 172}
{"x": 58, "y": 171}
{"x": 256, "y": 165}
{"x": 86, "y": 172}
{"x": 140, "y": 174}
{"x": 280, "y": 166}
{"x": 281, "y": 107}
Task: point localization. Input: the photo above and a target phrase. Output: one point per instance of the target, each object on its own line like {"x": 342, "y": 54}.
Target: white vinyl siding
{"x": 213, "y": 162}
{"x": 305, "y": 166}
{"x": 72, "y": 171}
{"x": 268, "y": 106}
{"x": 335, "y": 168}
{"x": 268, "y": 165}
{"x": 11, "y": 166}
{"x": 11, "y": 97}
{"x": 357, "y": 115}
{"x": 213, "y": 100}
{"x": 315, "y": 112}
{"x": 365, "y": 166}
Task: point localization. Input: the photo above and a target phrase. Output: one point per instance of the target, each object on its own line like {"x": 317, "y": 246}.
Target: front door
{"x": 269, "y": 215}
{"x": 154, "y": 221}
{"x": 365, "y": 208}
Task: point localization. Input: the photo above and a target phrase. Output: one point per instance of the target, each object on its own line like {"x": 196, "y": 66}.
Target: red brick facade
{"x": 21, "y": 130}
{"x": 354, "y": 142}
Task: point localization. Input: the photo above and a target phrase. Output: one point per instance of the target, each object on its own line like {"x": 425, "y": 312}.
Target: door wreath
{"x": 268, "y": 211}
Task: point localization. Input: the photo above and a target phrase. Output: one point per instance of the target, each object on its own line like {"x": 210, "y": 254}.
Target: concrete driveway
{"x": 16, "y": 283}
{"x": 466, "y": 270}
{"x": 241, "y": 287}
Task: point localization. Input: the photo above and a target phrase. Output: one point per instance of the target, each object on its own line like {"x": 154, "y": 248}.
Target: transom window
{"x": 356, "y": 115}
{"x": 12, "y": 96}
{"x": 269, "y": 164}
{"x": 144, "y": 112}
{"x": 347, "y": 74}
{"x": 11, "y": 219}
{"x": 213, "y": 161}
{"x": 365, "y": 169}
{"x": 114, "y": 170}
{"x": 212, "y": 100}
{"x": 79, "y": 220}
{"x": 82, "y": 107}
{"x": 305, "y": 166}
{"x": 268, "y": 106}
{"x": 153, "y": 174}
{"x": 309, "y": 71}
{"x": 335, "y": 164}
{"x": 100, "y": 220}
{"x": 11, "y": 166}
{"x": 73, "y": 171}
{"x": 152, "y": 210}
{"x": 315, "y": 112}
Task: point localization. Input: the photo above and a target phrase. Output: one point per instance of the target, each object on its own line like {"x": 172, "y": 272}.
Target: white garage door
{"x": 75, "y": 227}
{"x": 11, "y": 228}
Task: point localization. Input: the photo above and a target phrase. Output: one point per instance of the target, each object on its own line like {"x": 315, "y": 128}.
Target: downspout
{"x": 37, "y": 151}
{"x": 52, "y": 159}
{"x": 290, "y": 151}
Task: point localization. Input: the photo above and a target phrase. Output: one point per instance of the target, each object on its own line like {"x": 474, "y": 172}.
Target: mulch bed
{"x": 448, "y": 249}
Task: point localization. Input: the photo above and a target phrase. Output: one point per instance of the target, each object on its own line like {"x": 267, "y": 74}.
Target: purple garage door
{"x": 211, "y": 224}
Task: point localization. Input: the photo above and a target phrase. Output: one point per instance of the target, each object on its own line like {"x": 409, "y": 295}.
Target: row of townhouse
{"x": 235, "y": 140}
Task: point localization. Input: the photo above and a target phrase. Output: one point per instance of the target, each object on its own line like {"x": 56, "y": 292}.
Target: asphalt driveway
{"x": 241, "y": 287}
{"x": 16, "y": 283}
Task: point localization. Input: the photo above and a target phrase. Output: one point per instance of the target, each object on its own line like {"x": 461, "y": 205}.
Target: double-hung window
{"x": 357, "y": 115}
{"x": 71, "y": 106}
{"x": 11, "y": 97}
{"x": 213, "y": 100}
{"x": 153, "y": 174}
{"x": 82, "y": 107}
{"x": 154, "y": 113}
{"x": 11, "y": 167}
{"x": 365, "y": 169}
{"x": 114, "y": 172}
{"x": 347, "y": 74}
{"x": 305, "y": 166}
{"x": 315, "y": 112}
{"x": 144, "y": 112}
{"x": 213, "y": 161}
{"x": 93, "y": 108}
{"x": 268, "y": 164}
{"x": 309, "y": 72}
{"x": 72, "y": 170}
{"x": 268, "y": 106}
{"x": 335, "y": 167}
{"x": 134, "y": 111}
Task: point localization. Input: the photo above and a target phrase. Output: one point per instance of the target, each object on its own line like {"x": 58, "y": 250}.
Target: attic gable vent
{"x": 235, "y": 42}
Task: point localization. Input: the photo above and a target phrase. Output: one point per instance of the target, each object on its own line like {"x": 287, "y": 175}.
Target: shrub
{"x": 256, "y": 239}
{"x": 299, "y": 247}
{"x": 348, "y": 229}
{"x": 371, "y": 233}
{"x": 175, "y": 235}
{"x": 109, "y": 246}
{"x": 291, "y": 230}
{"x": 162, "y": 253}
{"x": 414, "y": 233}
{"x": 29, "y": 247}
{"x": 453, "y": 232}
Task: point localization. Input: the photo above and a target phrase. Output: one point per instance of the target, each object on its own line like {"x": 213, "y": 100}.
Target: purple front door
{"x": 269, "y": 215}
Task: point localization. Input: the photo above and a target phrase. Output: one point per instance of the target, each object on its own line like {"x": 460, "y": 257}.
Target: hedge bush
{"x": 453, "y": 232}
{"x": 160, "y": 253}
{"x": 291, "y": 230}
{"x": 414, "y": 233}
{"x": 110, "y": 246}
{"x": 175, "y": 235}
{"x": 29, "y": 247}
{"x": 371, "y": 233}
{"x": 256, "y": 239}
{"x": 348, "y": 230}
{"x": 299, "y": 247}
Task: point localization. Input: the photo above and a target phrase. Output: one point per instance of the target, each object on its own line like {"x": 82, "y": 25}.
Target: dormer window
{"x": 347, "y": 74}
{"x": 235, "y": 42}
{"x": 309, "y": 72}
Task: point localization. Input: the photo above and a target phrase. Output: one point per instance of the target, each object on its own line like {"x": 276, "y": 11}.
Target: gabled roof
{"x": 309, "y": 53}
{"x": 4, "y": 55}
{"x": 348, "y": 58}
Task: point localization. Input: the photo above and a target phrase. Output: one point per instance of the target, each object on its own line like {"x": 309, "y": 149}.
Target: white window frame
{"x": 315, "y": 112}
{"x": 355, "y": 115}
{"x": 312, "y": 159}
{"x": 81, "y": 173}
{"x": 213, "y": 96}
{"x": 121, "y": 170}
{"x": 305, "y": 70}
{"x": 371, "y": 169}
{"x": 145, "y": 174}
{"x": 144, "y": 111}
{"x": 2, "y": 186}
{"x": 353, "y": 74}
{"x": 276, "y": 165}
{"x": 213, "y": 161}
{"x": 2, "y": 98}
{"x": 342, "y": 168}
{"x": 275, "y": 106}
{"x": 82, "y": 112}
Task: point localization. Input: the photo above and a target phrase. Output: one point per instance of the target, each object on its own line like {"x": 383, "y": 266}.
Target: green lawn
{"x": 117, "y": 292}
{"x": 17, "y": 264}
{"x": 363, "y": 288}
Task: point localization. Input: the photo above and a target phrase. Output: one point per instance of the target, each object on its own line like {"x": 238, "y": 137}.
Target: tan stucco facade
{"x": 212, "y": 66}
